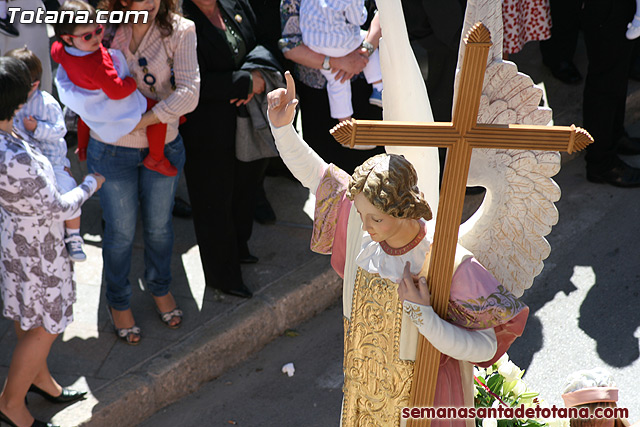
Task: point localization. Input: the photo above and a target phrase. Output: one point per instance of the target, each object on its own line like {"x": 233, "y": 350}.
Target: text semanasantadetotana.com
{"x": 521, "y": 412}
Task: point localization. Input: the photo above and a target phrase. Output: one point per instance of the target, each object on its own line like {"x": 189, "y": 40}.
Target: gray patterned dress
{"x": 36, "y": 276}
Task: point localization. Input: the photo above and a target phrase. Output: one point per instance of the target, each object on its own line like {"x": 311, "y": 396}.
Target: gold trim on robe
{"x": 377, "y": 383}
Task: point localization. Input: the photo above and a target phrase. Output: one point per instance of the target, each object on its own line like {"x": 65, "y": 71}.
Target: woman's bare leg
{"x": 43, "y": 380}
{"x": 29, "y": 356}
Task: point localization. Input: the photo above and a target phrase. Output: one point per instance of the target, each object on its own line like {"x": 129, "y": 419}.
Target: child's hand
{"x": 82, "y": 154}
{"x": 30, "y": 124}
{"x": 99, "y": 179}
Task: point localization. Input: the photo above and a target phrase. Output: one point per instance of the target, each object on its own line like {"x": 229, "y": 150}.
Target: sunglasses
{"x": 88, "y": 36}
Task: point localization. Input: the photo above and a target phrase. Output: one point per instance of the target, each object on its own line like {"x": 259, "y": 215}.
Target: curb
{"x": 210, "y": 350}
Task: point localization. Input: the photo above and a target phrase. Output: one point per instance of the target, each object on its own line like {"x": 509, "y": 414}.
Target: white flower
{"x": 489, "y": 422}
{"x": 519, "y": 388}
{"x": 503, "y": 359}
{"x": 509, "y": 371}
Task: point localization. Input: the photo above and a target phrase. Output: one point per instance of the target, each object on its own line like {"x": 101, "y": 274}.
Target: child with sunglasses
{"x": 41, "y": 121}
{"x": 89, "y": 82}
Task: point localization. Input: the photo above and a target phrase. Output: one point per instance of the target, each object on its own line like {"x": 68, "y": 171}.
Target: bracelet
{"x": 368, "y": 46}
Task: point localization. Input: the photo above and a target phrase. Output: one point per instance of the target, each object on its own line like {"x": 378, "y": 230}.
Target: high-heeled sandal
{"x": 36, "y": 423}
{"x": 66, "y": 396}
{"x": 126, "y": 334}
{"x": 169, "y": 316}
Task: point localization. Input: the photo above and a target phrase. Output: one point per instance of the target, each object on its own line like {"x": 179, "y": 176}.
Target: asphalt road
{"x": 258, "y": 394}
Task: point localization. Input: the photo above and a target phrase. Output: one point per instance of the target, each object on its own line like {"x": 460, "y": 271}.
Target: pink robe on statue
{"x": 477, "y": 300}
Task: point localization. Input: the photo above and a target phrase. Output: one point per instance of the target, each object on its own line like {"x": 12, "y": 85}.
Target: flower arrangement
{"x": 501, "y": 385}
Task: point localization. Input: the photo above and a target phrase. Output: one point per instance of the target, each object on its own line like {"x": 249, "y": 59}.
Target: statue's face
{"x": 378, "y": 224}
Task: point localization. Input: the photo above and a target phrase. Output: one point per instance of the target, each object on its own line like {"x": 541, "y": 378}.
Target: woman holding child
{"x": 161, "y": 57}
{"x": 36, "y": 278}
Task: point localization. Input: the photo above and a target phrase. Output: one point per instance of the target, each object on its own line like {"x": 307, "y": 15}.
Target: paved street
{"x": 257, "y": 393}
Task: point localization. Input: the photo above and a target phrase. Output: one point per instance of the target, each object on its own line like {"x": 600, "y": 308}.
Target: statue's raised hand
{"x": 282, "y": 103}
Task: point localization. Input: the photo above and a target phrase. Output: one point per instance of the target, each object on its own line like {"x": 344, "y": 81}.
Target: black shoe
{"x": 264, "y": 213}
{"x": 242, "y": 292}
{"x": 7, "y": 28}
{"x": 181, "y": 209}
{"x": 621, "y": 175}
{"x": 66, "y": 396}
{"x": 36, "y": 423}
{"x": 248, "y": 259}
{"x": 566, "y": 72}
{"x": 628, "y": 145}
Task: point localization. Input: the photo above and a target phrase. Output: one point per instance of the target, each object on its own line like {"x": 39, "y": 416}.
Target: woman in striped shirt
{"x": 161, "y": 55}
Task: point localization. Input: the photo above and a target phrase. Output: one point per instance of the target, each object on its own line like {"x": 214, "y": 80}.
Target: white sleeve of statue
{"x": 462, "y": 344}
{"x": 302, "y": 161}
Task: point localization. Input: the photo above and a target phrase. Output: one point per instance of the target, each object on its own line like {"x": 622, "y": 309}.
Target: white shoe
{"x": 74, "y": 248}
{"x": 633, "y": 29}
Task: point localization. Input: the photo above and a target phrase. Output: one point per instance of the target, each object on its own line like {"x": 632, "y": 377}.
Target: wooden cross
{"x": 459, "y": 137}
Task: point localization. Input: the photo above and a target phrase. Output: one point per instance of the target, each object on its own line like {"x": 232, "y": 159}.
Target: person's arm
{"x": 462, "y": 344}
{"x": 36, "y": 190}
{"x": 106, "y": 78}
{"x": 52, "y": 128}
{"x": 354, "y": 11}
{"x": 374, "y": 33}
{"x": 459, "y": 343}
{"x": 295, "y": 50}
{"x": 302, "y": 161}
{"x": 225, "y": 85}
{"x": 184, "y": 99}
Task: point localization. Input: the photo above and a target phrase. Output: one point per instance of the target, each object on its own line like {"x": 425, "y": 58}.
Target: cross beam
{"x": 459, "y": 136}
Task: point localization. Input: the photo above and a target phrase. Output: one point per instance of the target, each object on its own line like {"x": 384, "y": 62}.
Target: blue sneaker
{"x": 74, "y": 247}
{"x": 376, "y": 98}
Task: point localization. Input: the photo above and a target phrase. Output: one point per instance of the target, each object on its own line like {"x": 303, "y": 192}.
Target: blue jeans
{"x": 129, "y": 185}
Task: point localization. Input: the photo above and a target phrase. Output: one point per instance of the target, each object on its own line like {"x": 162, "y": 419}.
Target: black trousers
{"x": 222, "y": 191}
{"x": 604, "y": 23}
{"x": 565, "y": 16}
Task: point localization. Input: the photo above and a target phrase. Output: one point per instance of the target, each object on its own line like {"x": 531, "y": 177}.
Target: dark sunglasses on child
{"x": 88, "y": 36}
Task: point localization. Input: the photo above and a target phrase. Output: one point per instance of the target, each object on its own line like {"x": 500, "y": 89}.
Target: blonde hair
{"x": 389, "y": 182}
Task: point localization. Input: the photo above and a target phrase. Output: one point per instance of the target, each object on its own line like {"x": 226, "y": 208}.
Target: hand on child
{"x": 282, "y": 103}
{"x": 99, "y": 179}
{"x": 413, "y": 289}
{"x": 349, "y": 65}
{"x": 82, "y": 154}
{"x": 30, "y": 124}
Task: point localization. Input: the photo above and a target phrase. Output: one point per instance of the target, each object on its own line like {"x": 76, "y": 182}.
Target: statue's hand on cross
{"x": 413, "y": 288}
{"x": 282, "y": 103}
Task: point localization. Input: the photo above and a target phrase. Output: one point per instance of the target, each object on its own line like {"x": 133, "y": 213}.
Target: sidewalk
{"x": 128, "y": 384}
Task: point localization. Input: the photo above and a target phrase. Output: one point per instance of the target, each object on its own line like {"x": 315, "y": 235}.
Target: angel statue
{"x": 376, "y": 226}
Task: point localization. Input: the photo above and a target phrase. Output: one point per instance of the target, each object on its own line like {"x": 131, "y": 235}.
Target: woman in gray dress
{"x": 36, "y": 278}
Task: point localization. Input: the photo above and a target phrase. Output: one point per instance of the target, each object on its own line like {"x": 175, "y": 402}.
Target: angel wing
{"x": 507, "y": 232}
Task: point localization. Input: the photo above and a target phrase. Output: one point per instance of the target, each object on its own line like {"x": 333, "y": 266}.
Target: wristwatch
{"x": 325, "y": 63}
{"x": 366, "y": 45}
